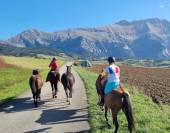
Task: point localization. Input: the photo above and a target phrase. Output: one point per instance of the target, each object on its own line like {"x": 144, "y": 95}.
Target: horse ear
{"x": 102, "y": 70}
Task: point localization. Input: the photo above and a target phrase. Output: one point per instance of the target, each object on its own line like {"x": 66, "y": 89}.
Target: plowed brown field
{"x": 154, "y": 82}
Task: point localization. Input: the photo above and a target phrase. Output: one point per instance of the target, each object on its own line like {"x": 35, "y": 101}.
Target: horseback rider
{"x": 54, "y": 65}
{"x": 111, "y": 79}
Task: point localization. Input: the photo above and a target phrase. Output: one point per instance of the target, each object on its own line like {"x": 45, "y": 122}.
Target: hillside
{"x": 148, "y": 38}
{"x": 24, "y": 51}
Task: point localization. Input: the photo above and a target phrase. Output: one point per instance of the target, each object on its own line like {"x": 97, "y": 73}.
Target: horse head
{"x": 35, "y": 72}
{"x": 69, "y": 69}
{"x": 100, "y": 82}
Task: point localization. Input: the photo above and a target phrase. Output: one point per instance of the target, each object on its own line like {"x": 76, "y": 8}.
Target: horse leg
{"x": 56, "y": 89}
{"x": 52, "y": 89}
{"x": 70, "y": 95}
{"x": 34, "y": 97}
{"x": 106, "y": 109}
{"x": 115, "y": 121}
{"x": 39, "y": 95}
{"x": 66, "y": 93}
{"x": 36, "y": 103}
{"x": 108, "y": 125}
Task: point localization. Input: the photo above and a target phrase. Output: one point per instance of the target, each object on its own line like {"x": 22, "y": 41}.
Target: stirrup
{"x": 100, "y": 104}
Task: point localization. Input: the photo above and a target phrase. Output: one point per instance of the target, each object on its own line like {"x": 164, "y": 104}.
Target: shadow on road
{"x": 39, "y": 130}
{"x": 60, "y": 115}
{"x": 84, "y": 131}
{"x": 26, "y": 104}
{"x": 16, "y": 105}
{"x": 43, "y": 130}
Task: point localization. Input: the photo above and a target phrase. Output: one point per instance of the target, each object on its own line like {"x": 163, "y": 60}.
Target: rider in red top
{"x": 54, "y": 65}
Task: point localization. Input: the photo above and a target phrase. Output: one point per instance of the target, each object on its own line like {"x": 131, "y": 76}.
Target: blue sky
{"x": 56, "y": 15}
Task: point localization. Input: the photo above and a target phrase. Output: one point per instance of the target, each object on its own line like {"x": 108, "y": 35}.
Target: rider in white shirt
{"x": 112, "y": 72}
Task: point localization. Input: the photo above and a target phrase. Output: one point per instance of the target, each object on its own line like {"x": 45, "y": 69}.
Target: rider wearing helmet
{"x": 112, "y": 74}
{"x": 54, "y": 65}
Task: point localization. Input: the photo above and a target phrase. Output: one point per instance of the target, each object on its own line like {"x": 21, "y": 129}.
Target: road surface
{"x": 52, "y": 115}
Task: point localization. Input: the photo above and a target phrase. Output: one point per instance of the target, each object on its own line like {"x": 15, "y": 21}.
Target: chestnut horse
{"x": 68, "y": 81}
{"x": 36, "y": 83}
{"x": 116, "y": 101}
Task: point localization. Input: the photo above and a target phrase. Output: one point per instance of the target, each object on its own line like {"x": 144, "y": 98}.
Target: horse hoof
{"x": 55, "y": 96}
{"x": 108, "y": 126}
{"x": 102, "y": 108}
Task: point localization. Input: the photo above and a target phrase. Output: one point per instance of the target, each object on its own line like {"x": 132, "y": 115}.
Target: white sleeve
{"x": 106, "y": 69}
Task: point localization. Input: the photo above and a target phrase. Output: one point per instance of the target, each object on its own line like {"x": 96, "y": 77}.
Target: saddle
{"x": 54, "y": 72}
{"x": 120, "y": 90}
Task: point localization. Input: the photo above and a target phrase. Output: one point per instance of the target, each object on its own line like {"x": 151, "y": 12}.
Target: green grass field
{"x": 14, "y": 81}
{"x": 27, "y": 62}
{"x": 149, "y": 117}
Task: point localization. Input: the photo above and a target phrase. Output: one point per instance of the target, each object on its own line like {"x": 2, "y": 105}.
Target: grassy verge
{"x": 14, "y": 81}
{"x": 149, "y": 117}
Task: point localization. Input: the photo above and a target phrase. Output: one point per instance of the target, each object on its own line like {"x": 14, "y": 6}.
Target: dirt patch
{"x": 3, "y": 64}
{"x": 154, "y": 82}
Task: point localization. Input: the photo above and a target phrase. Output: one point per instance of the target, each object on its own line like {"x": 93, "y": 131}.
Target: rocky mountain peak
{"x": 123, "y": 39}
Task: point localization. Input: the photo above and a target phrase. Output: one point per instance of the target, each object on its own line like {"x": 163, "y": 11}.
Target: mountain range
{"x": 149, "y": 38}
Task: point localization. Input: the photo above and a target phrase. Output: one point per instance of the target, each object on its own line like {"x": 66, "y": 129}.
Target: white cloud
{"x": 161, "y": 6}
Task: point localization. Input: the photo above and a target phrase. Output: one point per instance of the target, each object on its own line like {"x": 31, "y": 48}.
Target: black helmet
{"x": 54, "y": 58}
{"x": 111, "y": 59}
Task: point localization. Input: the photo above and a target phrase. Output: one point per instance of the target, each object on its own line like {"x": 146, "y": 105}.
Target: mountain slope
{"x": 148, "y": 38}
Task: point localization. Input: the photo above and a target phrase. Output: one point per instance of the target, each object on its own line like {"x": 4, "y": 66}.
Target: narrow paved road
{"x": 52, "y": 116}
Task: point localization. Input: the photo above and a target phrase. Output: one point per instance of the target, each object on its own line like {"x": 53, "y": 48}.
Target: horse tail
{"x": 64, "y": 80}
{"x": 32, "y": 83}
{"x": 127, "y": 109}
{"x": 58, "y": 76}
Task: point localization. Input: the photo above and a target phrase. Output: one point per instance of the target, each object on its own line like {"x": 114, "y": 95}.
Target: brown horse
{"x": 36, "y": 83}
{"x": 68, "y": 81}
{"x": 116, "y": 101}
{"x": 53, "y": 77}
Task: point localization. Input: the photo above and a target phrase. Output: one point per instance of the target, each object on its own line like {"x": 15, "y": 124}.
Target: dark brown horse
{"x": 36, "y": 83}
{"x": 53, "y": 77}
{"x": 116, "y": 101}
{"x": 68, "y": 81}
